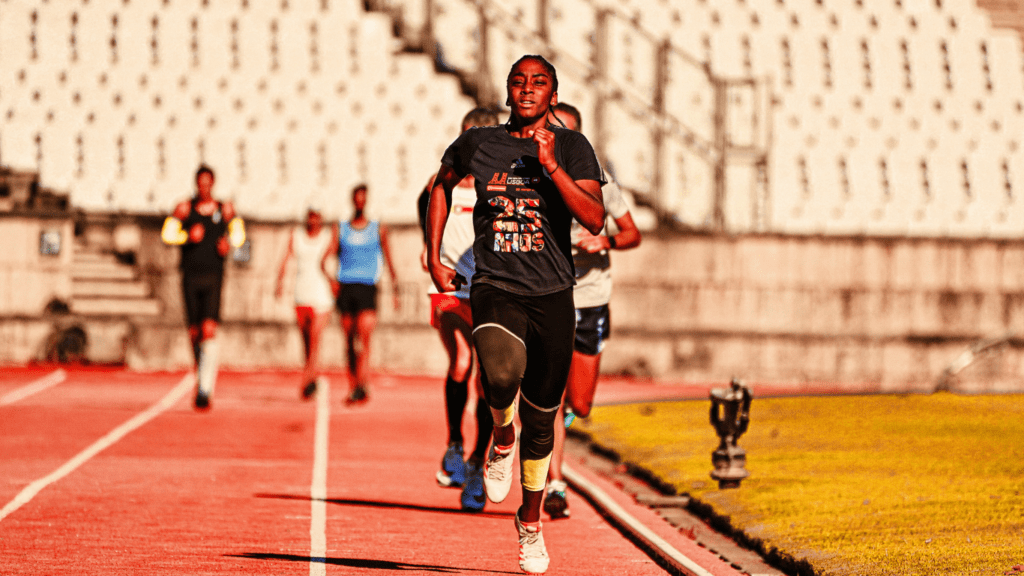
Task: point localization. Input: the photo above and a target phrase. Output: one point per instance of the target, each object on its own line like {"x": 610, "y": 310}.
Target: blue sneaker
{"x": 453, "y": 469}
{"x": 473, "y": 497}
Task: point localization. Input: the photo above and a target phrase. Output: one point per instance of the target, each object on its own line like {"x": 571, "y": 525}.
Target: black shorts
{"x": 354, "y": 298}
{"x": 593, "y": 326}
{"x": 202, "y": 296}
{"x": 544, "y": 324}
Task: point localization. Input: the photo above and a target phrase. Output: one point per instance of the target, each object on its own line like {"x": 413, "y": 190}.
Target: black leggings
{"x": 524, "y": 345}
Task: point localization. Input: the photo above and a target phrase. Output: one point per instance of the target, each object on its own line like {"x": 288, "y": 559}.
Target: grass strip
{"x": 865, "y": 485}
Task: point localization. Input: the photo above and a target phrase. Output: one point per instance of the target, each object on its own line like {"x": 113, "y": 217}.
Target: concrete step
{"x": 109, "y": 289}
{"x": 116, "y": 306}
{"x": 102, "y": 271}
{"x": 83, "y": 256}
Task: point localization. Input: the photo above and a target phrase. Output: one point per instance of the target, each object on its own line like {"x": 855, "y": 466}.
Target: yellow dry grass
{"x": 865, "y": 485}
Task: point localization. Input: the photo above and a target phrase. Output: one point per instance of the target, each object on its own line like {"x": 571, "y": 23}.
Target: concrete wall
{"x": 28, "y": 279}
{"x": 884, "y": 313}
{"x": 852, "y": 313}
{"x": 28, "y": 282}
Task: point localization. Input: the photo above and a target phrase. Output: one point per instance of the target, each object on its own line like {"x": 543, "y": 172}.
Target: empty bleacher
{"x": 888, "y": 117}
{"x": 291, "y": 102}
{"x": 801, "y": 116}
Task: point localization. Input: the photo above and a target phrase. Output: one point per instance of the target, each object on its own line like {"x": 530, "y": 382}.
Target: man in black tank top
{"x": 205, "y": 229}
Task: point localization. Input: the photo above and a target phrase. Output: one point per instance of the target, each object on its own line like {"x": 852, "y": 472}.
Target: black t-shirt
{"x": 521, "y": 222}
{"x": 202, "y": 257}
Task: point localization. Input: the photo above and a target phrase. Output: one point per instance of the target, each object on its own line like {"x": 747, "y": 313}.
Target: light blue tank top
{"x": 359, "y": 253}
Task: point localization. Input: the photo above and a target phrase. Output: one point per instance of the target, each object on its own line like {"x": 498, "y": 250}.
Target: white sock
{"x": 209, "y": 363}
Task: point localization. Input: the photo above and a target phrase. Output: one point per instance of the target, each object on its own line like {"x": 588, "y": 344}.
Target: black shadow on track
{"x": 362, "y": 563}
{"x": 394, "y": 505}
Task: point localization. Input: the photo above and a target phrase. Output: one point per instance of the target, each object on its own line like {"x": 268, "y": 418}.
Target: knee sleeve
{"x": 502, "y": 359}
{"x": 535, "y": 473}
{"x": 538, "y": 440}
{"x": 208, "y": 329}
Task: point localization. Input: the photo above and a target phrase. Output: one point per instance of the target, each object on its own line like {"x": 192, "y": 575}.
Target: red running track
{"x": 106, "y": 471}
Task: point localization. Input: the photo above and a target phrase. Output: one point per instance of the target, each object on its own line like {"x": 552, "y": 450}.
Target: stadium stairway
{"x": 104, "y": 285}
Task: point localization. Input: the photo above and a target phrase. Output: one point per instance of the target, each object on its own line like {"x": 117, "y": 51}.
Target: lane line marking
{"x": 170, "y": 399}
{"x": 318, "y": 489}
{"x": 630, "y": 521}
{"x": 50, "y": 380}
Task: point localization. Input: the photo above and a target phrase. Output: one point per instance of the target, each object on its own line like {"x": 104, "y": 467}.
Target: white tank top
{"x": 594, "y": 283}
{"x": 311, "y": 286}
{"x": 457, "y": 242}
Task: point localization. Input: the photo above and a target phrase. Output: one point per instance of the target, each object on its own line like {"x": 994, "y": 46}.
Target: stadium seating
{"x": 891, "y": 117}
{"x": 291, "y": 103}
{"x": 884, "y": 117}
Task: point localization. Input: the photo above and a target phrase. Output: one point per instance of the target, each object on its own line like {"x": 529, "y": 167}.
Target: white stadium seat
{"x": 863, "y": 94}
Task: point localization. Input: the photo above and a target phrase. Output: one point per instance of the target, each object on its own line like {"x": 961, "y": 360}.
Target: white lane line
{"x": 625, "y": 517}
{"x": 318, "y": 490}
{"x": 51, "y": 379}
{"x": 112, "y": 437}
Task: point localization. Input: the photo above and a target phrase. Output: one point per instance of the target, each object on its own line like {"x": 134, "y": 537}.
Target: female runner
{"x": 532, "y": 178}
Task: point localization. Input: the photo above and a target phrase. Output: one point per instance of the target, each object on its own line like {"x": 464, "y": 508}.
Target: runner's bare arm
{"x": 629, "y": 234}
{"x": 386, "y": 251}
{"x": 279, "y": 287}
{"x": 437, "y": 218}
{"x": 172, "y": 232}
{"x": 582, "y": 197}
{"x": 628, "y": 237}
{"x": 423, "y": 253}
{"x": 236, "y": 226}
{"x": 332, "y": 246}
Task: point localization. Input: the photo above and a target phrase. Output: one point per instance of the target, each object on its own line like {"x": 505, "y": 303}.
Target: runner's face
{"x": 313, "y": 221}
{"x": 359, "y": 199}
{"x": 204, "y": 184}
{"x": 530, "y": 90}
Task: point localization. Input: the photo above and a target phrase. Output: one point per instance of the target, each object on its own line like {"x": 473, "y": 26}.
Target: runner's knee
{"x": 461, "y": 362}
{"x": 209, "y": 329}
{"x": 503, "y": 361}
{"x": 580, "y": 406}
{"x": 459, "y": 368}
{"x": 581, "y": 411}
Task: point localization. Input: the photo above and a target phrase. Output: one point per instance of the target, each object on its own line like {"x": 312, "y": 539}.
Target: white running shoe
{"x": 498, "y": 472}
{"x": 533, "y": 555}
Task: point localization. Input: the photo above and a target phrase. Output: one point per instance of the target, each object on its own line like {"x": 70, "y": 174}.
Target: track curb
{"x": 663, "y": 553}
